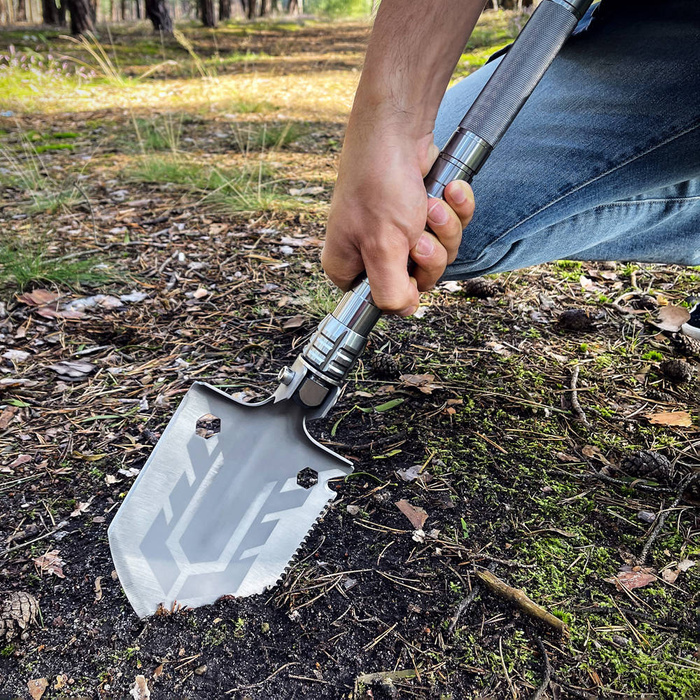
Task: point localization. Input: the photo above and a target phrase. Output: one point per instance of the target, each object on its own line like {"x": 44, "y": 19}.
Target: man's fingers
{"x": 459, "y": 195}
{"x": 344, "y": 269}
{"x": 393, "y": 290}
{"x": 430, "y": 258}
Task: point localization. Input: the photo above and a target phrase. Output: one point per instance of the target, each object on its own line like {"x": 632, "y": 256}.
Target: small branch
{"x": 631, "y": 484}
{"x": 575, "y": 405}
{"x": 518, "y": 597}
{"x": 664, "y": 515}
{"x": 547, "y": 671}
{"x": 466, "y": 602}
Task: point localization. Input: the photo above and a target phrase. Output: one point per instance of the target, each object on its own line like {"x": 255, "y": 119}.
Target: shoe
{"x": 692, "y": 326}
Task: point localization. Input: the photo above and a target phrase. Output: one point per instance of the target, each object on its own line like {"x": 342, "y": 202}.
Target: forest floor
{"x": 187, "y": 183}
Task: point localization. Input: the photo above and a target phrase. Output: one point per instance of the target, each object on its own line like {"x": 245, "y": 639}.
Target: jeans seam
{"x": 666, "y": 141}
{"x": 637, "y": 202}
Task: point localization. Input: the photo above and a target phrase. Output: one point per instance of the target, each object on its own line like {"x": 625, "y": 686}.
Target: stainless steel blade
{"x": 220, "y": 515}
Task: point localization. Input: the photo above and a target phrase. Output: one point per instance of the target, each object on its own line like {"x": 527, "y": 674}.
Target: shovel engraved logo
{"x": 219, "y": 511}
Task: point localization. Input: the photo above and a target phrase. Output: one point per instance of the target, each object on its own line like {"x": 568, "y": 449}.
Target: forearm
{"x": 414, "y": 47}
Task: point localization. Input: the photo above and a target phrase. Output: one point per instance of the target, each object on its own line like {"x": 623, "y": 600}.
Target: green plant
{"x": 22, "y": 264}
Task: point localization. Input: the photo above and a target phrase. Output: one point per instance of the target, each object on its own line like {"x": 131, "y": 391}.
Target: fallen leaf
{"x": 416, "y": 515}
{"x": 50, "y": 563}
{"x": 39, "y": 297}
{"x": 672, "y": 318}
{"x": 630, "y": 580}
{"x": 498, "y": 348}
{"x": 81, "y": 508}
{"x": 423, "y": 382}
{"x": 670, "y": 575}
{"x": 16, "y": 355}
{"x": 200, "y": 293}
{"x": 61, "y": 681}
{"x": 102, "y": 301}
{"x": 593, "y": 452}
{"x": 133, "y": 297}
{"x": 7, "y": 416}
{"x": 68, "y": 315}
{"x": 450, "y": 286}
{"x": 676, "y": 418}
{"x": 72, "y": 368}
{"x": 37, "y": 687}
{"x": 22, "y": 459}
{"x": 294, "y": 322}
{"x": 98, "y": 589}
{"x": 411, "y": 473}
{"x": 420, "y": 312}
{"x": 139, "y": 689}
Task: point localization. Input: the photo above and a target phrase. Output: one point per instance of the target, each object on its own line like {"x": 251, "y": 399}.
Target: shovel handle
{"x": 342, "y": 335}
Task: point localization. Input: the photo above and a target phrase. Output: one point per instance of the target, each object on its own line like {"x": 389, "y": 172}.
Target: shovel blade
{"x": 220, "y": 507}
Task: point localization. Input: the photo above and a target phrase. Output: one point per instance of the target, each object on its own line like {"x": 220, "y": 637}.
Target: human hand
{"x": 378, "y": 218}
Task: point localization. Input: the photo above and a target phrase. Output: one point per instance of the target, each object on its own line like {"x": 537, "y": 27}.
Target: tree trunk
{"x": 224, "y": 10}
{"x": 208, "y": 16}
{"x": 81, "y": 17}
{"x": 157, "y": 12}
{"x": 251, "y": 9}
{"x": 264, "y": 8}
{"x": 137, "y": 5}
{"x": 21, "y": 14}
{"x": 49, "y": 12}
{"x": 62, "y": 12}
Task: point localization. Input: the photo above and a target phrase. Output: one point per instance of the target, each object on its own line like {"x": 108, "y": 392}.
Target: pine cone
{"x": 18, "y": 611}
{"x": 384, "y": 366}
{"x": 648, "y": 465}
{"x": 678, "y": 371}
{"x": 481, "y": 288}
{"x": 685, "y": 345}
{"x": 575, "y": 320}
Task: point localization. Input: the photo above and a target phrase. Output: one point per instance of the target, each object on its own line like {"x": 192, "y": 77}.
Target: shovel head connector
{"x": 226, "y": 498}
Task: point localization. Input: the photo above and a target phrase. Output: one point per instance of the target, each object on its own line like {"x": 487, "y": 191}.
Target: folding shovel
{"x": 232, "y": 489}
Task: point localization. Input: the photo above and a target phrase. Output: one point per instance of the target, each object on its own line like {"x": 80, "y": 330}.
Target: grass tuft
{"x": 22, "y": 266}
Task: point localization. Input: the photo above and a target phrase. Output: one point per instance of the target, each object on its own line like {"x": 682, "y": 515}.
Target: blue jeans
{"x": 603, "y": 162}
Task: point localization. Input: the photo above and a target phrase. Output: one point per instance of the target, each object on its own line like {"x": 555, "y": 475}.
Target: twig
{"x": 575, "y": 405}
{"x": 632, "y": 484}
{"x": 518, "y": 597}
{"x": 262, "y": 682}
{"x": 466, "y": 602}
{"x": 662, "y": 516}
{"x": 463, "y": 605}
{"x": 547, "y": 671}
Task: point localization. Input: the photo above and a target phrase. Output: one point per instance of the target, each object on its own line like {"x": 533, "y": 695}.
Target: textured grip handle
{"x": 519, "y": 72}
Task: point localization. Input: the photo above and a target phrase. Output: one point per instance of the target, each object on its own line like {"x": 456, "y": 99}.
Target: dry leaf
{"x": 294, "y": 322}
{"x": 6, "y": 416}
{"x": 81, "y": 508}
{"x": 200, "y": 293}
{"x": 72, "y": 368}
{"x": 39, "y": 297}
{"x": 676, "y": 418}
{"x": 51, "y": 563}
{"x": 50, "y": 312}
{"x": 417, "y": 516}
{"x": 300, "y": 192}
{"x": 139, "y": 689}
{"x": 16, "y": 355}
{"x": 672, "y": 318}
{"x": 37, "y": 687}
{"x": 629, "y": 580}
{"x": 22, "y": 459}
{"x": 422, "y": 382}
{"x": 670, "y": 575}
{"x": 593, "y": 452}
